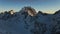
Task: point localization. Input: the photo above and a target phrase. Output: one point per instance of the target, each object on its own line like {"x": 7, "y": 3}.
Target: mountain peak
{"x": 57, "y": 12}
{"x": 30, "y": 11}
{"x": 11, "y": 12}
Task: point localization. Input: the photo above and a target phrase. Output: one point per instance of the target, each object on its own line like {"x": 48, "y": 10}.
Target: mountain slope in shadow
{"x": 28, "y": 21}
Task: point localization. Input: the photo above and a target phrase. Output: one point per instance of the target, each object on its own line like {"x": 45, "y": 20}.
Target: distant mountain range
{"x": 28, "y": 21}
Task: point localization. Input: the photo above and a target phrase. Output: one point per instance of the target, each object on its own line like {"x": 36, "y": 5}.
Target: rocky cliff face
{"x": 27, "y": 21}
{"x": 30, "y": 11}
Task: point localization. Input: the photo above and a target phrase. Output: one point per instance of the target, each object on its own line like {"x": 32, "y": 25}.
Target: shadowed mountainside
{"x": 28, "y": 21}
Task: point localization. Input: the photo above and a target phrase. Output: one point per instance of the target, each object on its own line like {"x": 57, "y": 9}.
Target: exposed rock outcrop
{"x": 31, "y": 11}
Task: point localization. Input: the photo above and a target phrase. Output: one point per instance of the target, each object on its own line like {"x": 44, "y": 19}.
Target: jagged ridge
{"x": 27, "y": 21}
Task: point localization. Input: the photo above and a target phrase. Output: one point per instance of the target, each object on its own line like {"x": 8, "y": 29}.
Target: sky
{"x": 48, "y": 6}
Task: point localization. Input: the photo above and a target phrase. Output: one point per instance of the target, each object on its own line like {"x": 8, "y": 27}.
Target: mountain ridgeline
{"x": 28, "y": 21}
